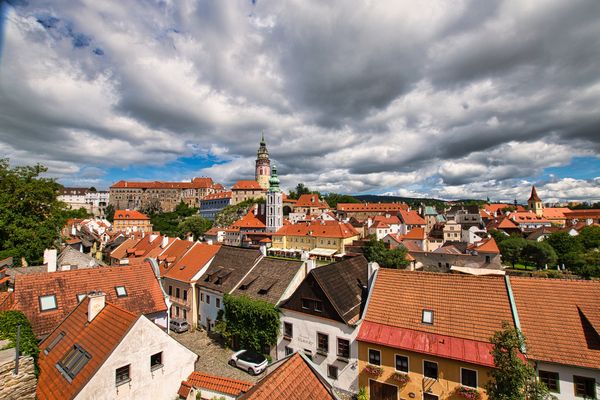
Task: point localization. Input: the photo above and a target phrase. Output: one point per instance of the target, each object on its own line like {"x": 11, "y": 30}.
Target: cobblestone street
{"x": 213, "y": 357}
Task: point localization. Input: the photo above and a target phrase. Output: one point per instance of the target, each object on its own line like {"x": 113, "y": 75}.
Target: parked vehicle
{"x": 249, "y": 360}
{"x": 179, "y": 325}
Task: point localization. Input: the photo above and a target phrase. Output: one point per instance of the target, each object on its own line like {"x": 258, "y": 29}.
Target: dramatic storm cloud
{"x": 459, "y": 99}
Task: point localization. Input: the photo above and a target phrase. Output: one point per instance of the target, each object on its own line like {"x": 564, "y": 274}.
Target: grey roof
{"x": 76, "y": 259}
{"x": 269, "y": 279}
{"x": 343, "y": 283}
{"x": 229, "y": 266}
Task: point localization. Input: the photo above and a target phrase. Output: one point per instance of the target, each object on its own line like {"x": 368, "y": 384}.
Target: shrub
{"x": 9, "y": 320}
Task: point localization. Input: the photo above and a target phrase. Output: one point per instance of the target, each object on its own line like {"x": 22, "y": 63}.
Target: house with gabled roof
{"x": 209, "y": 387}
{"x": 321, "y": 319}
{"x": 46, "y": 298}
{"x": 295, "y": 377}
{"x": 95, "y": 352}
{"x": 437, "y": 342}
{"x": 310, "y": 204}
{"x": 179, "y": 281}
{"x": 410, "y": 220}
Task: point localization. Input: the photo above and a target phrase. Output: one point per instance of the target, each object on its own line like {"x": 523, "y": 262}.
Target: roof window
{"x": 427, "y": 317}
{"x": 73, "y": 362}
{"x": 121, "y": 291}
{"x": 48, "y": 302}
{"x": 54, "y": 342}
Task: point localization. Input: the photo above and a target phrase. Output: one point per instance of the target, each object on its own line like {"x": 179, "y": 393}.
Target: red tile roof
{"x": 534, "y": 196}
{"x": 172, "y": 254}
{"x": 332, "y": 229}
{"x": 192, "y": 262}
{"x": 506, "y": 223}
{"x": 217, "y": 384}
{"x": 144, "y": 295}
{"x": 555, "y": 213}
{"x": 485, "y": 246}
{"x": 411, "y": 218}
{"x": 467, "y": 307}
{"x": 294, "y": 379}
{"x": 246, "y": 185}
{"x": 583, "y": 214}
{"x": 372, "y": 207}
{"x": 129, "y": 215}
{"x": 249, "y": 221}
{"x": 311, "y": 200}
{"x": 471, "y": 351}
{"x": 379, "y": 225}
{"x": 560, "y": 319}
{"x": 527, "y": 216}
{"x": 99, "y": 338}
{"x": 391, "y": 220}
{"x": 415, "y": 234}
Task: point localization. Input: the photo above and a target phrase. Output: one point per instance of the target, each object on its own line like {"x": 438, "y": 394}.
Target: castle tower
{"x": 535, "y": 203}
{"x": 274, "y": 203}
{"x": 263, "y": 165}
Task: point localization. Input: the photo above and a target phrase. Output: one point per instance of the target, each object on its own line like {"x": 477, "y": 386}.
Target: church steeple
{"x": 535, "y": 203}
{"x": 263, "y": 164}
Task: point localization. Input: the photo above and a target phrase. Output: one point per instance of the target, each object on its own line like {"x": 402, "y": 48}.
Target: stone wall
{"x": 20, "y": 386}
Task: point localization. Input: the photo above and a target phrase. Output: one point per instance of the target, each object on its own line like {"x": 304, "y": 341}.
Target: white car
{"x": 249, "y": 360}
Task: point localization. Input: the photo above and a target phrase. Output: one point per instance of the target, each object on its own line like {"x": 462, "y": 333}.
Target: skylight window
{"x": 80, "y": 297}
{"x": 427, "y": 317}
{"x": 121, "y": 291}
{"x": 54, "y": 342}
{"x": 73, "y": 362}
{"x": 48, "y": 302}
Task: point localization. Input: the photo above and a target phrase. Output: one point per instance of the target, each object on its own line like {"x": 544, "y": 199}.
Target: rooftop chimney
{"x": 96, "y": 304}
{"x": 165, "y": 242}
{"x": 50, "y": 259}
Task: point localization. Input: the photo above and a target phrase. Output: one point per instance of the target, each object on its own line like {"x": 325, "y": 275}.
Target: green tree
{"x": 183, "y": 210}
{"x": 152, "y": 207}
{"x": 232, "y": 213}
{"x": 28, "y": 344}
{"x": 512, "y": 378}
{"x": 334, "y": 198}
{"x": 253, "y": 323}
{"x": 196, "y": 225}
{"x": 30, "y": 214}
{"x": 387, "y": 258}
{"x": 590, "y": 237}
{"x": 511, "y": 249}
{"x": 498, "y": 236}
{"x": 564, "y": 244}
{"x": 109, "y": 212}
{"x": 539, "y": 254}
{"x": 300, "y": 190}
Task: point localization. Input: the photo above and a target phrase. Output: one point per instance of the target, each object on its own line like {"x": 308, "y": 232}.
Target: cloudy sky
{"x": 452, "y": 99}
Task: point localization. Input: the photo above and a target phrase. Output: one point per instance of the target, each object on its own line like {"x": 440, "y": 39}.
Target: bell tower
{"x": 263, "y": 165}
{"x": 274, "y": 203}
{"x": 535, "y": 203}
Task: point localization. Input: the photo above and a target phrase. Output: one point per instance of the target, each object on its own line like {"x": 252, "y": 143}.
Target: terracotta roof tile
{"x": 246, "y": 185}
{"x": 217, "y": 384}
{"x": 371, "y": 207}
{"x": 144, "y": 295}
{"x": 506, "y": 223}
{"x": 411, "y": 218}
{"x": 485, "y": 246}
{"x": 415, "y": 234}
{"x": 192, "y": 262}
{"x": 311, "y": 200}
{"x": 391, "y": 220}
{"x": 464, "y": 306}
{"x": 249, "y": 221}
{"x": 332, "y": 229}
{"x": 294, "y": 379}
{"x": 560, "y": 319}
{"x": 98, "y": 338}
{"x": 129, "y": 215}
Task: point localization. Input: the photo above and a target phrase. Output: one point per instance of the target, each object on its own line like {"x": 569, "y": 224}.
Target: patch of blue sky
{"x": 578, "y": 168}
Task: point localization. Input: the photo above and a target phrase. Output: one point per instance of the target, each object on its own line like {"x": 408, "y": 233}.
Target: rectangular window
{"x": 374, "y": 357}
{"x": 122, "y": 375}
{"x": 54, "y": 342}
{"x": 307, "y": 304}
{"x": 218, "y": 302}
{"x": 207, "y": 299}
{"x": 468, "y": 377}
{"x": 170, "y": 290}
{"x": 550, "y": 379}
{"x": 288, "y": 330}
{"x": 318, "y": 305}
{"x": 343, "y": 348}
{"x": 156, "y": 361}
{"x": 184, "y": 313}
{"x": 332, "y": 371}
{"x": 73, "y": 362}
{"x": 322, "y": 343}
{"x": 176, "y": 311}
{"x": 401, "y": 363}
{"x": 584, "y": 387}
{"x": 201, "y": 297}
{"x": 427, "y": 317}
{"x": 288, "y": 351}
{"x": 430, "y": 369}
{"x": 121, "y": 291}
{"x": 177, "y": 292}
{"x": 48, "y": 302}
{"x": 185, "y": 295}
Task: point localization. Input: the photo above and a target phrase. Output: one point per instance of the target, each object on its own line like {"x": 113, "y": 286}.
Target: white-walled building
{"x": 102, "y": 351}
{"x": 274, "y": 203}
{"x": 321, "y": 319}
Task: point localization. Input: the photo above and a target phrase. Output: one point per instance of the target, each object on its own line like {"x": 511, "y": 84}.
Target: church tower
{"x": 263, "y": 165}
{"x": 535, "y": 203}
{"x": 274, "y": 203}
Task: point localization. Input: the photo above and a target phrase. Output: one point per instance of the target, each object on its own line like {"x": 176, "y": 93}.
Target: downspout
{"x": 168, "y": 303}
{"x": 515, "y": 313}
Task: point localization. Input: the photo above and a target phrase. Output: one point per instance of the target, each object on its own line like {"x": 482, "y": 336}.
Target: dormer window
{"x": 121, "y": 291}
{"x": 427, "y": 317}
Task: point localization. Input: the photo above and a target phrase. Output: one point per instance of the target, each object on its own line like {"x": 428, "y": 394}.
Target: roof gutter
{"x": 514, "y": 311}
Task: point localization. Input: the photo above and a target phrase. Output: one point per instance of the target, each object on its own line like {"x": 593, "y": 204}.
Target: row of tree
{"x": 180, "y": 222}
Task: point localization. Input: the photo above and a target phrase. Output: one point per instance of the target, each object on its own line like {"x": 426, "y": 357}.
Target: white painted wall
{"x": 565, "y": 374}
{"x": 142, "y": 341}
{"x": 208, "y": 310}
{"x": 305, "y": 328}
